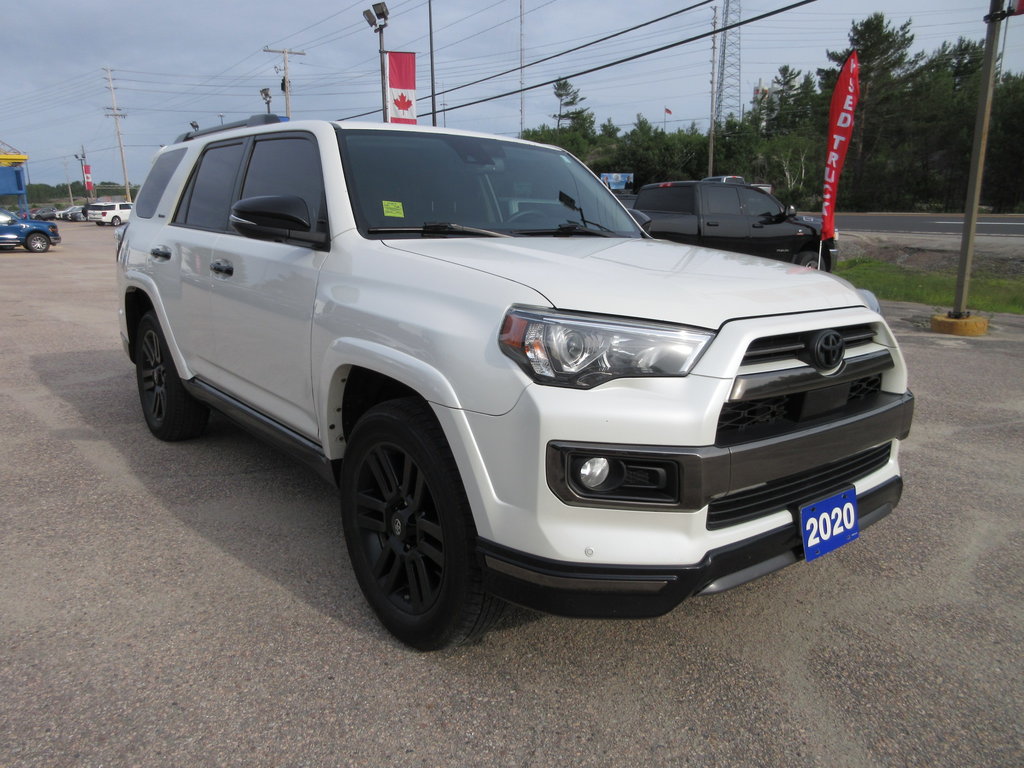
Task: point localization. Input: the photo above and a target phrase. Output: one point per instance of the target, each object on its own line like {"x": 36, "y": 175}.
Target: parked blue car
{"x": 31, "y": 234}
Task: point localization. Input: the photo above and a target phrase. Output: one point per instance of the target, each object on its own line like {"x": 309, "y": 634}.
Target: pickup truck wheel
{"x": 809, "y": 259}
{"x": 37, "y": 242}
{"x": 409, "y": 531}
{"x": 171, "y": 412}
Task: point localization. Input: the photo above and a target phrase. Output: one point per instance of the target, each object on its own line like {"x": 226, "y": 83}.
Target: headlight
{"x": 582, "y": 351}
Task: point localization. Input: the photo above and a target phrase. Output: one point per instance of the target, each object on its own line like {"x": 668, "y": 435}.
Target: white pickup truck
{"x": 521, "y": 395}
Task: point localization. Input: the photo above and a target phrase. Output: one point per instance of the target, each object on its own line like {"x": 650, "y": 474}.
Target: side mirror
{"x": 641, "y": 218}
{"x": 791, "y": 210}
{"x": 275, "y": 217}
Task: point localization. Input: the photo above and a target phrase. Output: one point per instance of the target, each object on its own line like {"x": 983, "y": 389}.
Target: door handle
{"x": 711, "y": 223}
{"x": 222, "y": 267}
{"x": 160, "y": 253}
{"x": 757, "y": 226}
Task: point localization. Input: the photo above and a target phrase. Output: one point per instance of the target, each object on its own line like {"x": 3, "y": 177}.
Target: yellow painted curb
{"x": 960, "y": 326}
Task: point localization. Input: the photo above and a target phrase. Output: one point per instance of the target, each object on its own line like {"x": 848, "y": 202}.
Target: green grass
{"x": 938, "y": 289}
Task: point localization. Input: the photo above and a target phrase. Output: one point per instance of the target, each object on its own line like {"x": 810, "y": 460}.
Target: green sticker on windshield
{"x": 391, "y": 208}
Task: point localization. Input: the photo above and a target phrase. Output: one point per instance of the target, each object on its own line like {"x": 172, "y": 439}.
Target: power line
{"x": 627, "y": 59}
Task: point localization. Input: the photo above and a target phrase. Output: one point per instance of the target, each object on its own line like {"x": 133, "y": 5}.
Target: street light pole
{"x": 433, "y": 90}
{"x": 377, "y": 18}
{"x": 85, "y": 182}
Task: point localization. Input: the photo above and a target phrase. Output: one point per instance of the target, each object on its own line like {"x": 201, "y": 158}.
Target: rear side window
{"x": 670, "y": 199}
{"x": 156, "y": 182}
{"x": 207, "y": 200}
{"x": 722, "y": 200}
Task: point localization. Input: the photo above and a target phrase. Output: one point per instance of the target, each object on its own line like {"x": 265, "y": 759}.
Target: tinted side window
{"x": 672, "y": 199}
{"x": 289, "y": 165}
{"x": 156, "y": 182}
{"x": 722, "y": 200}
{"x": 759, "y": 204}
{"x": 208, "y": 198}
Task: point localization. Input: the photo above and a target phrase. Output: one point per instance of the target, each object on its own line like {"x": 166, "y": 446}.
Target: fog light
{"x": 593, "y": 472}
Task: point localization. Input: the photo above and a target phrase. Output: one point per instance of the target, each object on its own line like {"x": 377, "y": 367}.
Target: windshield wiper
{"x": 436, "y": 229}
{"x": 568, "y": 229}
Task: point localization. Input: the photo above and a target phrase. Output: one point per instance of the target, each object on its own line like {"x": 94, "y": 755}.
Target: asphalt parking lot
{"x": 192, "y": 603}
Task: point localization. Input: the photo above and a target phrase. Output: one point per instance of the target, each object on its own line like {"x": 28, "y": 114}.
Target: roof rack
{"x": 260, "y": 119}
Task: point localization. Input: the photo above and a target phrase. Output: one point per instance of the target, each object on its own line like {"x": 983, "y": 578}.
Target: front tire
{"x": 810, "y": 259}
{"x": 171, "y": 412}
{"x": 409, "y": 530}
{"x": 37, "y": 242}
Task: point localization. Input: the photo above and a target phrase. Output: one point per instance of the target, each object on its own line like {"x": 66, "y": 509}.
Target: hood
{"x": 808, "y": 221}
{"x": 646, "y": 279}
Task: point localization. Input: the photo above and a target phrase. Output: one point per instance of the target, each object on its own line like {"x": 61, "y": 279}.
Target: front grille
{"x": 744, "y": 420}
{"x": 795, "y": 490}
{"x": 789, "y": 345}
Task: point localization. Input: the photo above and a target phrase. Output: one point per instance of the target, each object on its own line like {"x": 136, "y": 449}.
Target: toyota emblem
{"x": 827, "y": 348}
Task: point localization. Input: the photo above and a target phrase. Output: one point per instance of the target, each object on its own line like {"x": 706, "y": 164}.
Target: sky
{"x": 174, "y": 63}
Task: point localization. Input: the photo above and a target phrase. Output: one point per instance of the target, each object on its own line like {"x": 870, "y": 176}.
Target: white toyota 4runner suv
{"x": 522, "y": 396}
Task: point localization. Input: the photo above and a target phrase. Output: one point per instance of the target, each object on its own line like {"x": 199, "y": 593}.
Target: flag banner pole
{"x": 840, "y": 131}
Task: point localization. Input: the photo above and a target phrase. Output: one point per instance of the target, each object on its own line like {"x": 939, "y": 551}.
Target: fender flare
{"x": 345, "y": 353}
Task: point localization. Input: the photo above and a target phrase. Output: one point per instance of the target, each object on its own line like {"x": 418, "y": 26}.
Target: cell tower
{"x": 728, "y": 100}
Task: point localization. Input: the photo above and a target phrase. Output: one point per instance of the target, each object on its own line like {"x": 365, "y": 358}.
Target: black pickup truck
{"x": 734, "y": 217}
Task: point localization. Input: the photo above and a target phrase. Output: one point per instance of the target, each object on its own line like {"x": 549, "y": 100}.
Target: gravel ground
{"x": 999, "y": 256}
{"x": 192, "y": 604}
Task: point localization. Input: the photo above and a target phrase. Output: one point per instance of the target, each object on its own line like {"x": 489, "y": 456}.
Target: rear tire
{"x": 409, "y": 530}
{"x": 171, "y": 412}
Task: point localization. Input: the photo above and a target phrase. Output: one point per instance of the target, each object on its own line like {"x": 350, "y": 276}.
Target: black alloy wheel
{"x": 409, "y": 531}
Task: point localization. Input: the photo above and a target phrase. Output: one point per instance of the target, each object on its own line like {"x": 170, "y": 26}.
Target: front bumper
{"x": 580, "y": 590}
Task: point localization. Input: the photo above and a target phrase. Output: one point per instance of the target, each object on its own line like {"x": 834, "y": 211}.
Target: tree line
{"x": 911, "y": 146}
{"x": 57, "y": 194}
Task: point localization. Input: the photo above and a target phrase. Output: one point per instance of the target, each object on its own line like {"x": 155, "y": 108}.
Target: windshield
{"x": 401, "y": 181}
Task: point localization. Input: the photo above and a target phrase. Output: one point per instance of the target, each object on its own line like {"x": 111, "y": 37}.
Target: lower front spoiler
{"x": 574, "y": 589}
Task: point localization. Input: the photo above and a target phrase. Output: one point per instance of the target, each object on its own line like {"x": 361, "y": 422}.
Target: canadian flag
{"x": 401, "y": 87}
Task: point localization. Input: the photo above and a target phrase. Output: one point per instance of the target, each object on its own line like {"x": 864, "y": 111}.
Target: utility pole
{"x": 67, "y": 179}
{"x": 959, "y": 320}
{"x": 117, "y": 114}
{"x": 286, "y": 83}
{"x": 522, "y": 68}
{"x": 714, "y": 90}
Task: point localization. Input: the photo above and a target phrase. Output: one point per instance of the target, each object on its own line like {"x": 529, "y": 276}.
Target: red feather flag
{"x": 840, "y": 130}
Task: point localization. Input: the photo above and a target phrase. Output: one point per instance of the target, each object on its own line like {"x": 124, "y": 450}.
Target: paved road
{"x": 191, "y": 604}
{"x": 930, "y": 224}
